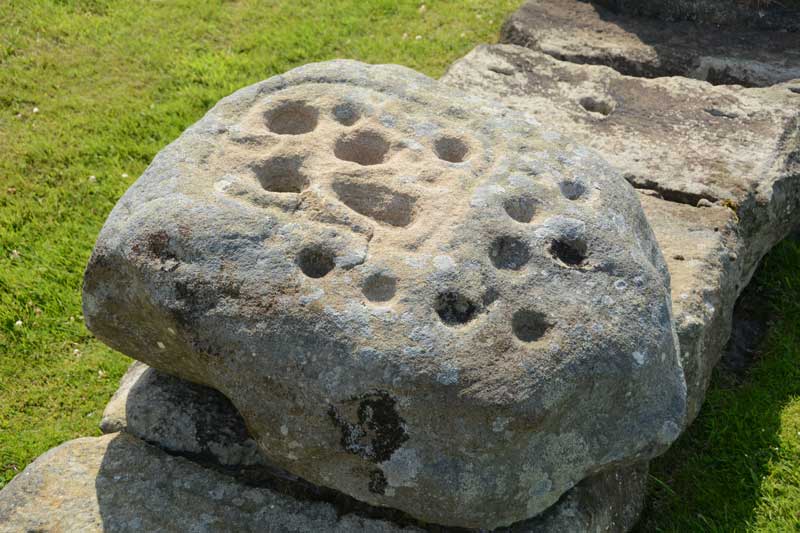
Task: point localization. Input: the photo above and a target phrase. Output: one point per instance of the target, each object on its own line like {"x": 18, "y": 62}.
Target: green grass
{"x": 738, "y": 466}
{"x": 113, "y": 82}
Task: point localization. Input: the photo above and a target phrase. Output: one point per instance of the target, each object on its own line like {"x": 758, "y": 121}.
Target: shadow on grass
{"x": 716, "y": 477}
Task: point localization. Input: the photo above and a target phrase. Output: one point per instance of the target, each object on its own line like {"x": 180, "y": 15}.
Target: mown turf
{"x": 91, "y": 90}
{"x": 738, "y": 466}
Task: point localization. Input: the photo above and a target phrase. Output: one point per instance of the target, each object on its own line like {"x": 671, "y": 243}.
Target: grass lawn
{"x": 90, "y": 90}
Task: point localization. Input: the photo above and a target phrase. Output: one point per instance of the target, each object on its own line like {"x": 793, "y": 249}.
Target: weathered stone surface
{"x": 180, "y": 417}
{"x": 605, "y": 502}
{"x": 776, "y": 15}
{"x": 119, "y": 483}
{"x": 582, "y": 32}
{"x": 688, "y": 142}
{"x": 699, "y": 245}
{"x": 411, "y": 295}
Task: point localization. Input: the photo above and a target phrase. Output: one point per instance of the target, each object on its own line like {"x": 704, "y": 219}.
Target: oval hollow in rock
{"x": 346, "y": 113}
{"x": 315, "y": 261}
{"x": 569, "y": 253}
{"x": 520, "y": 208}
{"x": 509, "y": 253}
{"x": 379, "y": 287}
{"x": 363, "y": 147}
{"x": 377, "y": 202}
{"x": 572, "y": 190}
{"x": 281, "y": 174}
{"x": 292, "y": 118}
{"x": 451, "y": 149}
{"x": 454, "y": 308}
{"x": 529, "y": 326}
{"x": 597, "y": 105}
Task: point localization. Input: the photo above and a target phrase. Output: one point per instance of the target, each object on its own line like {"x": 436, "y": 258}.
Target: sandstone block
{"x": 584, "y": 32}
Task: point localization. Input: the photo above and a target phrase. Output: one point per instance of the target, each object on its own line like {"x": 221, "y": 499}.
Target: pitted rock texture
{"x": 414, "y": 296}
{"x": 584, "y": 32}
{"x": 720, "y": 166}
{"x": 610, "y": 501}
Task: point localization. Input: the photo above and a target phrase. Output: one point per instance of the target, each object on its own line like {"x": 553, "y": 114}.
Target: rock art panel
{"x": 414, "y": 296}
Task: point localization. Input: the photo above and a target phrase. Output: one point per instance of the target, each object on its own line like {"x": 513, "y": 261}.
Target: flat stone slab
{"x": 699, "y": 245}
{"x": 117, "y": 483}
{"x": 180, "y": 417}
{"x": 606, "y": 502}
{"x": 773, "y": 15}
{"x": 412, "y": 295}
{"x": 584, "y": 32}
{"x": 730, "y": 150}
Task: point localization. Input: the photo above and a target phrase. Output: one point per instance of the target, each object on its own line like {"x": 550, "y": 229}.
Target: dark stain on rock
{"x": 158, "y": 245}
{"x": 370, "y": 425}
{"x": 377, "y": 482}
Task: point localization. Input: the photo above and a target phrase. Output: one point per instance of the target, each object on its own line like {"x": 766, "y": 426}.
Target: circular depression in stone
{"x": 346, "y": 113}
{"x": 520, "y": 208}
{"x": 451, "y": 149}
{"x": 315, "y": 261}
{"x": 509, "y": 253}
{"x": 362, "y": 147}
{"x": 572, "y": 190}
{"x": 455, "y": 309}
{"x": 292, "y": 118}
{"x": 529, "y": 326}
{"x": 379, "y": 287}
{"x": 571, "y": 253}
{"x": 281, "y": 174}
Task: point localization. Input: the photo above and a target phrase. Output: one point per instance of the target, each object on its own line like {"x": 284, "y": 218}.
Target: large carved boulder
{"x": 417, "y": 297}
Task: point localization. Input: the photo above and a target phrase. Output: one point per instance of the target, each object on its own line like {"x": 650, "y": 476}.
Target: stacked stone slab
{"x": 585, "y": 32}
{"x": 406, "y": 234}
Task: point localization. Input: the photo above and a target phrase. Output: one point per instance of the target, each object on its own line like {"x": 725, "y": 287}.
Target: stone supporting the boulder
{"x": 608, "y": 502}
{"x": 583, "y": 32}
{"x": 688, "y": 143}
{"x": 412, "y": 295}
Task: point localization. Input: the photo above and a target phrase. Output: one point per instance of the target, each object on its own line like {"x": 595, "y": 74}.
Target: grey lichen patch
{"x": 370, "y": 425}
